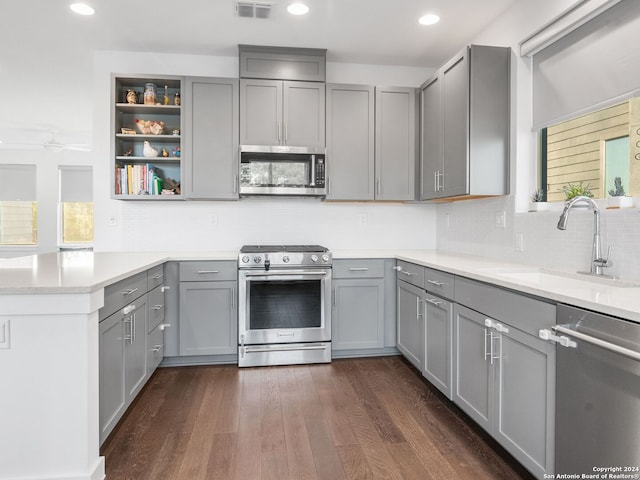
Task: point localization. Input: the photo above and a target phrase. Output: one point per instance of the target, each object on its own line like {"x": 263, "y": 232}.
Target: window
{"x": 18, "y": 206}
{"x": 585, "y": 92}
{"x": 76, "y": 206}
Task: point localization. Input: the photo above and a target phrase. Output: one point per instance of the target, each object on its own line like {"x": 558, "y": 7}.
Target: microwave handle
{"x": 313, "y": 171}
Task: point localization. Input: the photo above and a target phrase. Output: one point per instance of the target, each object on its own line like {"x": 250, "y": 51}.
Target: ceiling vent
{"x": 253, "y": 10}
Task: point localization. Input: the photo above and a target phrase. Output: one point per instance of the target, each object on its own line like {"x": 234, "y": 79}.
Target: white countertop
{"x": 85, "y": 272}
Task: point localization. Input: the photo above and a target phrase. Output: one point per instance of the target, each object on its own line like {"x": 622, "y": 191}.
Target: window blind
{"x": 594, "y": 66}
{"x": 18, "y": 182}
{"x": 76, "y": 184}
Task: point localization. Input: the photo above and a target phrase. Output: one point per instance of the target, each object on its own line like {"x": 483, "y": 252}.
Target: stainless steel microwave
{"x": 282, "y": 171}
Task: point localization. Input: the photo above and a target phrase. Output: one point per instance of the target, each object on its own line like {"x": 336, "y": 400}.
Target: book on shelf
{"x": 137, "y": 180}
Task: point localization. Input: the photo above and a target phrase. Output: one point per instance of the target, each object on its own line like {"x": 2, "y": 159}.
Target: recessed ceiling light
{"x": 82, "y": 9}
{"x": 429, "y": 19}
{"x": 297, "y": 9}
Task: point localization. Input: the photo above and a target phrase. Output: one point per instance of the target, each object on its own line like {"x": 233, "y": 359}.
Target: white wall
{"x": 470, "y": 227}
{"x": 203, "y": 225}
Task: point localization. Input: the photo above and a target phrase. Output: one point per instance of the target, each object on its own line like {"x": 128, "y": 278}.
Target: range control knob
{"x": 257, "y": 259}
{"x": 245, "y": 259}
{"x": 325, "y": 258}
{"x": 314, "y": 258}
{"x": 285, "y": 259}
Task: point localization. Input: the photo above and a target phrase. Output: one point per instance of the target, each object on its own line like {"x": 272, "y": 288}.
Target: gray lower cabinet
{"x": 504, "y": 374}
{"x": 208, "y": 308}
{"x": 350, "y": 142}
{"x": 357, "y": 317}
{"x": 438, "y": 343}
{"x": 211, "y": 149}
{"x": 411, "y": 323}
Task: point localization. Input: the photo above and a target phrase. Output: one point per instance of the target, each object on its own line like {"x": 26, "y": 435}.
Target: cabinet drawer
{"x": 440, "y": 283}
{"x": 123, "y": 292}
{"x": 411, "y": 273}
{"x": 155, "y": 277}
{"x": 520, "y": 311}
{"x": 205, "y": 271}
{"x": 156, "y": 308}
{"x": 360, "y": 268}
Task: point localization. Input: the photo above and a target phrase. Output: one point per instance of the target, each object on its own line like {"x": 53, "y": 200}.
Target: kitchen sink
{"x": 544, "y": 276}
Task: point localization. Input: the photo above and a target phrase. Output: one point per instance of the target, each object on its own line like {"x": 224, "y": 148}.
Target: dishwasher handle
{"x": 612, "y": 347}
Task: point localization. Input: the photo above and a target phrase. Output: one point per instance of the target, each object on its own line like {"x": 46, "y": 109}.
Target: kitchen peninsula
{"x": 49, "y": 362}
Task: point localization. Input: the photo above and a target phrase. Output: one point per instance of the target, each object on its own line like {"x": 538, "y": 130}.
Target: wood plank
{"x": 355, "y": 463}
{"x": 606, "y": 134}
{"x": 273, "y": 444}
{"x": 599, "y": 115}
{"x": 592, "y": 127}
{"x": 248, "y": 459}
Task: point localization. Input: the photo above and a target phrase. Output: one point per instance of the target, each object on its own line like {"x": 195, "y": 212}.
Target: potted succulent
{"x": 573, "y": 190}
{"x": 537, "y": 203}
{"x": 617, "y": 196}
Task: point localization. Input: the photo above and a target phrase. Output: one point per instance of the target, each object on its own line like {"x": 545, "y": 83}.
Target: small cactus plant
{"x": 537, "y": 196}
{"x": 618, "y": 191}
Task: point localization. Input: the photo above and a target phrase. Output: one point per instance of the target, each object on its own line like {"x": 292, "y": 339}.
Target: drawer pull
{"x": 434, "y": 302}
{"x": 408, "y": 274}
{"x": 129, "y": 292}
{"x": 156, "y": 348}
{"x": 157, "y": 276}
{"x": 204, "y": 272}
{"x": 436, "y": 283}
{"x": 128, "y": 309}
{"x": 358, "y": 269}
{"x": 165, "y": 288}
{"x": 157, "y": 307}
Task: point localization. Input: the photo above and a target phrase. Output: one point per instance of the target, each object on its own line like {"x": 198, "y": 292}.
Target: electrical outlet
{"x": 213, "y": 219}
{"x": 112, "y": 220}
{"x": 501, "y": 219}
{"x": 519, "y": 242}
{"x": 4, "y": 333}
{"x": 362, "y": 219}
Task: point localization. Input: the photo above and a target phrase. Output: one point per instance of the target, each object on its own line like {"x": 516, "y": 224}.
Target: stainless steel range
{"x": 284, "y": 314}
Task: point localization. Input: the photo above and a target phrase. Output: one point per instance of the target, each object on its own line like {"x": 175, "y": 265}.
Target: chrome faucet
{"x": 597, "y": 262}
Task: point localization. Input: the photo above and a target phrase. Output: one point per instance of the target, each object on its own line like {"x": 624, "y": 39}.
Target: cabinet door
{"x": 350, "y": 142}
{"x": 211, "y": 150}
{"x": 473, "y": 372}
{"x": 208, "y": 318}
{"x": 260, "y": 112}
{"x": 395, "y": 152}
{"x": 430, "y": 139}
{"x": 411, "y": 323}
{"x": 357, "y": 318}
{"x": 455, "y": 125}
{"x": 112, "y": 393}
{"x": 525, "y": 411}
{"x": 438, "y": 343}
{"x": 135, "y": 347}
{"x": 304, "y": 114}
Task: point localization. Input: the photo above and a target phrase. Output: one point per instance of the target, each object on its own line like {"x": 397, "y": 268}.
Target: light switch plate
{"x": 501, "y": 219}
{"x": 519, "y": 242}
{"x": 5, "y": 335}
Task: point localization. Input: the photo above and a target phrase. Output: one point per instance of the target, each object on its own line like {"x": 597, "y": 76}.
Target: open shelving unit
{"x": 136, "y": 176}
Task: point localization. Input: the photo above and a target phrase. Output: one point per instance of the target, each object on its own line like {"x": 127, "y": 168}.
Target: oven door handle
{"x": 272, "y": 273}
{"x": 284, "y": 348}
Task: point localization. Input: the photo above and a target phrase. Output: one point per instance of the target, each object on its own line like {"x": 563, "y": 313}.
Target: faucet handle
{"x": 604, "y": 262}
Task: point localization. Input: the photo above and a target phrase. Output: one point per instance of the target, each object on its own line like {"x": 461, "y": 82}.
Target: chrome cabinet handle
{"x": 235, "y": 183}
{"x": 486, "y": 334}
{"x": 418, "y": 314}
{"x": 358, "y": 269}
{"x": 156, "y": 348}
{"x": 433, "y": 301}
{"x": 408, "y": 274}
{"x": 164, "y": 288}
{"x": 157, "y": 307}
{"x": 204, "y": 272}
{"x": 436, "y": 283}
{"x": 133, "y": 328}
{"x": 157, "y": 276}
{"x": 129, "y": 292}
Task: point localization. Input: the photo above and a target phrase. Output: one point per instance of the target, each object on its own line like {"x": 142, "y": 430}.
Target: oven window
{"x": 285, "y": 304}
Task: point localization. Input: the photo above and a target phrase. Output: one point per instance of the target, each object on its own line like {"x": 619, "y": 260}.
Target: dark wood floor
{"x": 351, "y": 419}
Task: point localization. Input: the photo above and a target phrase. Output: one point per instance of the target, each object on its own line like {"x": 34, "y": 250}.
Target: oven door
{"x": 284, "y": 306}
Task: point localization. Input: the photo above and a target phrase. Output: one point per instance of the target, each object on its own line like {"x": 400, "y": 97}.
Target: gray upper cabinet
{"x": 274, "y": 112}
{"x": 211, "y": 148}
{"x": 282, "y": 63}
{"x": 350, "y": 142}
{"x": 396, "y": 147}
{"x": 465, "y": 126}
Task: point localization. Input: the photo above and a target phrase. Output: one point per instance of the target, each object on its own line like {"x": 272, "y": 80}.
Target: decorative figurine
{"x": 176, "y": 98}
{"x": 166, "y": 95}
{"x": 175, "y": 152}
{"x": 132, "y": 97}
{"x": 148, "y": 151}
{"x": 128, "y": 153}
{"x": 165, "y": 153}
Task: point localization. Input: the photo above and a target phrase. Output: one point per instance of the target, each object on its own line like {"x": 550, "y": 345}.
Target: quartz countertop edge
{"x": 86, "y": 272}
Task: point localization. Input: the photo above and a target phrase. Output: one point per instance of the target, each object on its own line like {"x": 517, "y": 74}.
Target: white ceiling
{"x": 353, "y": 31}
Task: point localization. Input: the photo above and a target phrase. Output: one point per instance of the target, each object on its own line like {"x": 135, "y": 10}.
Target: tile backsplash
{"x": 470, "y": 227}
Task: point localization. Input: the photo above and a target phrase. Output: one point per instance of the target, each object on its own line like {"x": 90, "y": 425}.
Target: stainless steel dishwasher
{"x": 597, "y": 395}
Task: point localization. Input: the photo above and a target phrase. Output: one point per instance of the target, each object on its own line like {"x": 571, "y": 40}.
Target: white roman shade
{"x": 18, "y": 182}
{"x": 76, "y": 184}
{"x": 591, "y": 67}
